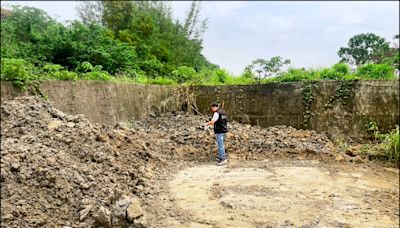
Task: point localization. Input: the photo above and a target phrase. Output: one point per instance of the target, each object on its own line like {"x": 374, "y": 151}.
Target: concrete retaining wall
{"x": 102, "y": 102}
{"x": 333, "y": 107}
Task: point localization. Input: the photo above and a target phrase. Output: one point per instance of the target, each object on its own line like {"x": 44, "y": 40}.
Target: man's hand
{"x": 209, "y": 123}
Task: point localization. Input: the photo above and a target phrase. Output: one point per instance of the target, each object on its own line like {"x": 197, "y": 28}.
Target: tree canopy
{"x": 268, "y": 67}
{"x": 364, "y": 48}
{"x": 140, "y": 41}
{"x": 128, "y": 37}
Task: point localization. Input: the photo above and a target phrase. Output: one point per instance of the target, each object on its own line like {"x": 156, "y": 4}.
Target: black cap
{"x": 214, "y": 104}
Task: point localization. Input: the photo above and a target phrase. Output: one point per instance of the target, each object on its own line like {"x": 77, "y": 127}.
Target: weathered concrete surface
{"x": 335, "y": 107}
{"x": 101, "y": 102}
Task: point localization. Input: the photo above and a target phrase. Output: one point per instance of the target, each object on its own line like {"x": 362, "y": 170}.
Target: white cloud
{"x": 310, "y": 33}
{"x": 268, "y": 22}
{"x": 223, "y": 8}
{"x": 179, "y": 9}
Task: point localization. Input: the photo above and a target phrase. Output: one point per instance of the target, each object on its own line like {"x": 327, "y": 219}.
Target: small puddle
{"x": 287, "y": 196}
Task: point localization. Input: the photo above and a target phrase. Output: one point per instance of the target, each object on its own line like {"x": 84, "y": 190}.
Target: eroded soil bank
{"x": 61, "y": 170}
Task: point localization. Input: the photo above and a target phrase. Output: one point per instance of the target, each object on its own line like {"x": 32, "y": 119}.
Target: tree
{"x": 268, "y": 67}
{"x": 392, "y": 56}
{"x": 117, "y": 15}
{"x": 91, "y": 12}
{"x": 274, "y": 65}
{"x": 193, "y": 27}
{"x": 96, "y": 45}
{"x": 257, "y": 66}
{"x": 149, "y": 27}
{"x": 131, "y": 38}
{"x": 31, "y": 34}
{"x": 364, "y": 48}
{"x": 183, "y": 74}
{"x": 247, "y": 73}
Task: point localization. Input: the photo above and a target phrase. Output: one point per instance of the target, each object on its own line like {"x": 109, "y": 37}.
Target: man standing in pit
{"x": 220, "y": 123}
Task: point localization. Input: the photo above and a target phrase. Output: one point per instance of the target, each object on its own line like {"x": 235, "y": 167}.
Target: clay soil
{"x": 60, "y": 170}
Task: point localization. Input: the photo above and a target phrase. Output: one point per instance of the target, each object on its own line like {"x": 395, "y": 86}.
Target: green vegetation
{"x": 269, "y": 67}
{"x": 16, "y": 70}
{"x": 389, "y": 146}
{"x": 308, "y": 98}
{"x": 364, "y": 48}
{"x": 339, "y": 71}
{"x": 133, "y": 39}
{"x": 139, "y": 42}
{"x": 376, "y": 71}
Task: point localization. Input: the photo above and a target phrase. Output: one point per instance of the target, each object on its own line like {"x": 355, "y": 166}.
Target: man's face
{"x": 214, "y": 109}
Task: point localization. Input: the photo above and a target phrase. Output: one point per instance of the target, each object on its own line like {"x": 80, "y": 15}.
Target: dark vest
{"x": 221, "y": 125}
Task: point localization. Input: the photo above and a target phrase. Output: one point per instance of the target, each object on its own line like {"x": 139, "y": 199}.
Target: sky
{"x": 309, "y": 33}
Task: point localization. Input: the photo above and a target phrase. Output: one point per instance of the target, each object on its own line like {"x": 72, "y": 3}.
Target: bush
{"x": 203, "y": 77}
{"x": 55, "y": 71}
{"x": 183, "y": 74}
{"x": 248, "y": 74}
{"x": 85, "y": 67}
{"x": 337, "y": 72}
{"x": 389, "y": 148}
{"x": 152, "y": 67}
{"x": 330, "y": 74}
{"x": 391, "y": 145}
{"x": 222, "y": 75}
{"x": 233, "y": 80}
{"x": 142, "y": 79}
{"x": 294, "y": 75}
{"x": 68, "y": 76}
{"x": 376, "y": 71}
{"x": 341, "y": 68}
{"x": 97, "y": 75}
{"x": 18, "y": 71}
{"x": 161, "y": 81}
{"x": 197, "y": 79}
{"x": 351, "y": 77}
{"x": 132, "y": 73}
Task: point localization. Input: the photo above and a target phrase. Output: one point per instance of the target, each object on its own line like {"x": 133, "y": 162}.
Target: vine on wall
{"x": 343, "y": 92}
{"x": 308, "y": 98}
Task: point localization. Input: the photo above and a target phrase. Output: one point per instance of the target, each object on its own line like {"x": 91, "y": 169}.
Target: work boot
{"x": 222, "y": 162}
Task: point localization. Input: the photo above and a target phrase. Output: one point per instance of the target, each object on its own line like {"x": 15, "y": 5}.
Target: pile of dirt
{"x": 62, "y": 170}
{"x": 188, "y": 137}
{"x": 59, "y": 169}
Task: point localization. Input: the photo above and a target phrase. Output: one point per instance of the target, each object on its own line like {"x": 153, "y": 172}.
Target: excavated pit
{"x": 61, "y": 170}
{"x": 275, "y": 194}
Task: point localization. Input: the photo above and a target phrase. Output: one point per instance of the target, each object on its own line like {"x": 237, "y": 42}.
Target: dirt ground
{"x": 280, "y": 193}
{"x": 60, "y": 170}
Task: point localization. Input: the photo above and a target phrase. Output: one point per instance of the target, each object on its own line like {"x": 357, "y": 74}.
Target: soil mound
{"x": 62, "y": 170}
{"x": 187, "y": 136}
{"x": 59, "y": 169}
